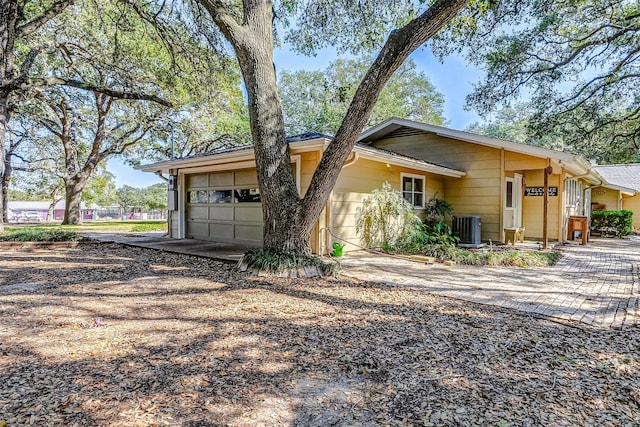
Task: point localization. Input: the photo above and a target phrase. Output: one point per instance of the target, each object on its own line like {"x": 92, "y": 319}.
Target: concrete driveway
{"x": 597, "y": 284}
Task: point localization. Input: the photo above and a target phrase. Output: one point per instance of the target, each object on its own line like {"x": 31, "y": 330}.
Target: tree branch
{"x": 118, "y": 94}
{"x": 55, "y": 10}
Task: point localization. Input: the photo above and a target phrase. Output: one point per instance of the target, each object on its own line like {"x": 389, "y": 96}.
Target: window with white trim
{"x": 508, "y": 194}
{"x": 413, "y": 189}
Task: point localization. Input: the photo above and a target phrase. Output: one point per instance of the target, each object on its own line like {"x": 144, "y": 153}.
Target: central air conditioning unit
{"x": 468, "y": 228}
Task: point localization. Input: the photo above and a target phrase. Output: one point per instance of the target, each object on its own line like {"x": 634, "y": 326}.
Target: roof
{"x": 626, "y": 176}
{"x": 575, "y": 164}
{"x": 306, "y": 141}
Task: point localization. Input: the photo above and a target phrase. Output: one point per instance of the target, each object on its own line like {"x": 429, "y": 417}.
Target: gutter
{"x": 162, "y": 177}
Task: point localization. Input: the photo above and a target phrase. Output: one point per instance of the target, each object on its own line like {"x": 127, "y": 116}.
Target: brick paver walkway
{"x": 597, "y": 284}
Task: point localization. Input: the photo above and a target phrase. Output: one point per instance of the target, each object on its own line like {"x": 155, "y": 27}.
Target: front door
{"x": 513, "y": 201}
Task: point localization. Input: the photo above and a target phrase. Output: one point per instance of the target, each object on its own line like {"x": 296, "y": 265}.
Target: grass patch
{"x": 101, "y": 226}
{"x": 265, "y": 261}
{"x": 507, "y": 258}
{"x": 154, "y": 226}
{"x": 38, "y": 234}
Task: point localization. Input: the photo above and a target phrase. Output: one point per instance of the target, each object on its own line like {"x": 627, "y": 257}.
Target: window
{"x": 508, "y": 199}
{"x": 199, "y": 196}
{"x": 573, "y": 191}
{"x": 220, "y": 196}
{"x": 413, "y": 187}
{"x": 247, "y": 195}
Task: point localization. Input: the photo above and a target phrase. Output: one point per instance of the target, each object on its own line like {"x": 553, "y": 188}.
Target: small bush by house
{"x": 616, "y": 223}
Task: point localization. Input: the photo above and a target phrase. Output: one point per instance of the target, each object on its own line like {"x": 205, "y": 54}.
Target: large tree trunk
{"x": 4, "y": 122}
{"x": 6, "y": 178}
{"x": 289, "y": 220}
{"x": 283, "y": 230}
{"x": 73, "y": 199}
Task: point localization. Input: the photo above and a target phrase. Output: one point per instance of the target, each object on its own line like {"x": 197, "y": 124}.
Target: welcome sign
{"x": 539, "y": 191}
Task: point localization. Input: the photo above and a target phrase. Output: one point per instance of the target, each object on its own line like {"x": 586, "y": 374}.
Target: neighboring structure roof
{"x": 574, "y": 163}
{"x": 19, "y": 205}
{"x": 625, "y": 176}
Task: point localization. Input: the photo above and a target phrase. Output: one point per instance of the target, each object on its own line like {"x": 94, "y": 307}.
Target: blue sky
{"x": 454, "y": 78}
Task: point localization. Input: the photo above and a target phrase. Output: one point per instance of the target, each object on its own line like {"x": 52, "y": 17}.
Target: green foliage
{"x": 423, "y": 234}
{"x": 130, "y": 197}
{"x": 266, "y": 261}
{"x": 155, "y": 197}
{"x": 575, "y": 64}
{"x": 318, "y": 100}
{"x": 618, "y": 223}
{"x": 158, "y": 226}
{"x": 437, "y": 210}
{"x": 385, "y": 218}
{"x": 37, "y": 234}
{"x": 508, "y": 258}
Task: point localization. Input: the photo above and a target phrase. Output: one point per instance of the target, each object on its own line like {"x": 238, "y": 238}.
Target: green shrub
{"x": 35, "y": 234}
{"x": 158, "y": 226}
{"x": 508, "y": 258}
{"x": 385, "y": 218}
{"x": 437, "y": 210}
{"x": 617, "y": 223}
{"x": 266, "y": 261}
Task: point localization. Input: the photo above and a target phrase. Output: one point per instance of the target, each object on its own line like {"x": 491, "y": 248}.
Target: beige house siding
{"x": 479, "y": 192}
{"x": 356, "y": 182}
{"x": 533, "y": 208}
{"x": 174, "y": 224}
{"x": 633, "y": 204}
{"x": 522, "y": 162}
{"x": 606, "y": 197}
{"x": 308, "y": 162}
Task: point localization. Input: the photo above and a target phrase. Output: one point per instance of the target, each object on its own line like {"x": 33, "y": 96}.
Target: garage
{"x": 224, "y": 207}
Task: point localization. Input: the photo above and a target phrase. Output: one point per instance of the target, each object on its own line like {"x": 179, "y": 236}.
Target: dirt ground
{"x": 103, "y": 334}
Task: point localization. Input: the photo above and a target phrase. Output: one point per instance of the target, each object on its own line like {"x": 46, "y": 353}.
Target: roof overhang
{"x": 243, "y": 155}
{"x": 624, "y": 190}
{"x": 403, "y": 161}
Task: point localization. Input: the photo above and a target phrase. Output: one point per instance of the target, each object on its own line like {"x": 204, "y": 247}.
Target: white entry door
{"x": 513, "y": 201}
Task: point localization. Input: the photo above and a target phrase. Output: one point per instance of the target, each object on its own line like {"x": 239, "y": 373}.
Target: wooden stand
{"x": 578, "y": 223}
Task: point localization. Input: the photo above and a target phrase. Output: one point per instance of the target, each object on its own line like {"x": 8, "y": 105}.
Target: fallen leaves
{"x": 179, "y": 340}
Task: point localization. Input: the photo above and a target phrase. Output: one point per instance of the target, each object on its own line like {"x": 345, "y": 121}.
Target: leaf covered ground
{"x": 103, "y": 334}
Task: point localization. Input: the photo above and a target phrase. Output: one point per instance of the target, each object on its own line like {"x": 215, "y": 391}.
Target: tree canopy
{"x": 318, "y": 100}
{"x": 576, "y": 62}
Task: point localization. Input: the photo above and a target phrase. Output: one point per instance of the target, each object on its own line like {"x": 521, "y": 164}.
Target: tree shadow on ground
{"x": 197, "y": 343}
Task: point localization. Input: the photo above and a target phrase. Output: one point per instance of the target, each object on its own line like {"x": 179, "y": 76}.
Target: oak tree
{"x": 394, "y": 29}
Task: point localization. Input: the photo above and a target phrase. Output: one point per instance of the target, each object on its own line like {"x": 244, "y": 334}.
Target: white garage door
{"x": 225, "y": 207}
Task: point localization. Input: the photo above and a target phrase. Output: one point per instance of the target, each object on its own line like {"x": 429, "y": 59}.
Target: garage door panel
{"x": 223, "y": 230}
{"x": 197, "y": 212}
{"x": 248, "y": 177}
{"x": 198, "y": 230}
{"x": 224, "y": 179}
{"x": 248, "y": 213}
{"x": 223, "y": 213}
{"x": 248, "y": 232}
{"x": 197, "y": 181}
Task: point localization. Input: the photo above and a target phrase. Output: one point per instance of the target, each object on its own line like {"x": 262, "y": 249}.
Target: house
{"x": 37, "y": 211}
{"x": 215, "y": 196}
{"x": 621, "y": 191}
